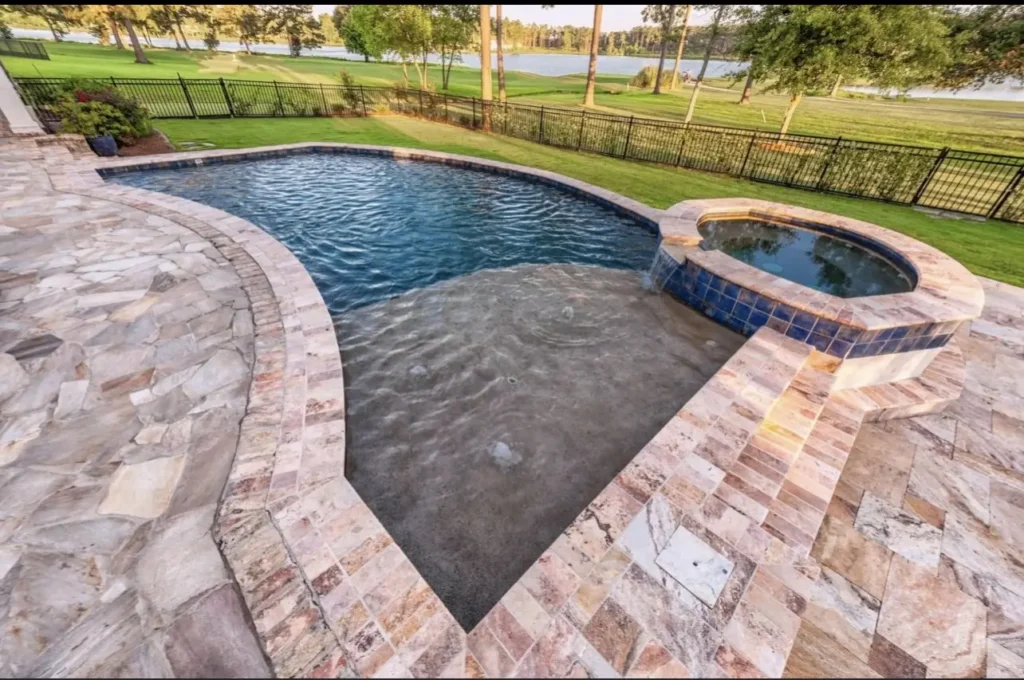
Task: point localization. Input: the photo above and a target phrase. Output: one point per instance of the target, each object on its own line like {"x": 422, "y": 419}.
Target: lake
{"x": 541, "y": 64}
{"x": 570, "y": 64}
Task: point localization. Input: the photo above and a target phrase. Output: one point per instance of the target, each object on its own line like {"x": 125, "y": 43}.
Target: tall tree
{"x": 5, "y": 30}
{"x": 595, "y": 40}
{"x": 808, "y": 47}
{"x": 297, "y": 24}
{"x": 501, "y": 56}
{"x": 453, "y": 28}
{"x": 58, "y": 18}
{"x": 362, "y": 29}
{"x": 167, "y": 18}
{"x": 722, "y": 14}
{"x": 665, "y": 17}
{"x": 987, "y": 44}
{"x": 331, "y": 35}
{"x": 408, "y": 34}
{"x": 485, "y": 64}
{"x": 681, "y": 44}
{"x": 246, "y": 22}
{"x": 128, "y": 18}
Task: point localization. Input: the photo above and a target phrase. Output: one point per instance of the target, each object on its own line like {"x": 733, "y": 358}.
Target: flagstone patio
{"x": 169, "y": 504}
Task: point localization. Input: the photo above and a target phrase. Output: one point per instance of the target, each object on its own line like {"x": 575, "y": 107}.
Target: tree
{"x": 987, "y": 44}
{"x": 665, "y": 17}
{"x": 485, "y": 64}
{"x": 247, "y": 22}
{"x": 5, "y": 30}
{"x": 722, "y": 14}
{"x": 58, "y": 18}
{"x": 680, "y": 45}
{"x": 808, "y": 47}
{"x": 362, "y": 29}
{"x": 453, "y": 29}
{"x": 331, "y": 36}
{"x": 297, "y": 24}
{"x": 408, "y": 34}
{"x": 168, "y": 17}
{"x": 501, "y": 57}
{"x": 127, "y": 18}
{"x": 595, "y": 40}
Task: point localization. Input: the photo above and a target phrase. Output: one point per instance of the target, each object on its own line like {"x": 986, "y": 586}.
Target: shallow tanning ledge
{"x": 879, "y": 337}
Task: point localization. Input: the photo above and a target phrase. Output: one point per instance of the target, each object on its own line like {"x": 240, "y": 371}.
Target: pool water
{"x": 503, "y": 358}
{"x": 368, "y": 228}
{"x": 820, "y": 261}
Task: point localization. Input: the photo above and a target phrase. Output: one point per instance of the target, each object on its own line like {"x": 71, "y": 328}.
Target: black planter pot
{"x": 103, "y": 146}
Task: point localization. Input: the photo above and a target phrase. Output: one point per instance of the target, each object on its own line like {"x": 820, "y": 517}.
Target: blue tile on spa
{"x": 747, "y": 297}
{"x": 797, "y": 333}
{"x": 839, "y": 348}
{"x": 757, "y": 318}
{"x": 783, "y": 312}
{"x": 819, "y": 342}
{"x": 826, "y": 327}
{"x": 741, "y": 311}
{"x": 804, "y": 320}
{"x": 777, "y": 324}
{"x": 731, "y": 290}
{"x": 764, "y": 304}
{"x": 848, "y": 334}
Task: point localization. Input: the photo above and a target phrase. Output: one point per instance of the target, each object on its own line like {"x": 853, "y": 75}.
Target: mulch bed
{"x": 153, "y": 144}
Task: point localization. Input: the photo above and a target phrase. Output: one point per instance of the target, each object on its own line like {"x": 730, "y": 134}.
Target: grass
{"x": 992, "y": 249}
{"x": 967, "y": 124}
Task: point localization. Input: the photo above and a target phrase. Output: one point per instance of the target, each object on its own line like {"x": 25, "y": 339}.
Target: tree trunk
{"x": 693, "y": 101}
{"x": 835, "y": 88}
{"x": 788, "y": 116}
{"x": 595, "y": 39}
{"x": 485, "y": 66}
{"x": 682, "y": 44}
{"x": 501, "y": 56}
{"x": 426, "y": 75}
{"x": 140, "y": 56}
{"x": 116, "y": 33}
{"x": 249, "y": 51}
{"x": 664, "y": 45}
{"x": 405, "y": 71}
{"x": 747, "y": 87}
{"x": 177, "y": 43}
{"x": 53, "y": 30}
{"x": 188, "y": 48}
{"x": 145, "y": 35}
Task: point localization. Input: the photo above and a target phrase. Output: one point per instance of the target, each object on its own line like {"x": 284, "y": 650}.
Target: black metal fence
{"x": 986, "y": 184}
{"x": 23, "y": 48}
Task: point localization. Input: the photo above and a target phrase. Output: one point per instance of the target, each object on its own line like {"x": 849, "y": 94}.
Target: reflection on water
{"x": 485, "y": 412}
{"x": 369, "y": 228}
{"x": 820, "y": 261}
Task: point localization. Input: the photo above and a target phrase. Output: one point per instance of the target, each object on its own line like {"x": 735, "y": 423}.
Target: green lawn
{"x": 992, "y": 249}
{"x": 967, "y": 124}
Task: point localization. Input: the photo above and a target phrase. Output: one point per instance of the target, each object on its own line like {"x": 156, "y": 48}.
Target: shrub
{"x": 351, "y": 93}
{"x": 645, "y": 77}
{"x": 94, "y": 119}
{"x": 91, "y": 108}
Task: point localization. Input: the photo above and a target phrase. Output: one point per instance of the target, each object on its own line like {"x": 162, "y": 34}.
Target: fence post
{"x": 323, "y": 98}
{"x": 362, "y": 98}
{"x": 421, "y": 102}
{"x": 280, "y": 104}
{"x": 828, "y": 162}
{"x": 753, "y": 138}
{"x": 682, "y": 145}
{"x": 1010, "y": 188}
{"x": 928, "y": 177}
{"x": 540, "y": 132}
{"x": 474, "y": 112}
{"x": 629, "y": 133}
{"x": 583, "y": 118}
{"x": 447, "y": 119}
{"x": 188, "y": 97}
{"x": 227, "y": 98}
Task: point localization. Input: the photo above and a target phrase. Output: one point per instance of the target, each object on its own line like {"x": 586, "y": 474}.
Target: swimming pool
{"x": 503, "y": 359}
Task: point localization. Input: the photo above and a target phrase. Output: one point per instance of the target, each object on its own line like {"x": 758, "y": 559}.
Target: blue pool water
{"x": 369, "y": 228}
{"x": 820, "y": 261}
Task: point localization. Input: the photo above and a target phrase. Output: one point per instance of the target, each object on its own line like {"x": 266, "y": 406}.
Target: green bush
{"x": 645, "y": 77}
{"x": 94, "y": 109}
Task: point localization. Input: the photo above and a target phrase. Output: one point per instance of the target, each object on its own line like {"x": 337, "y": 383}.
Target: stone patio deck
{"x": 173, "y": 333}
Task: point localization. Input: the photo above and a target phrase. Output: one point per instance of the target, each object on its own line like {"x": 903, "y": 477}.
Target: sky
{"x": 613, "y": 18}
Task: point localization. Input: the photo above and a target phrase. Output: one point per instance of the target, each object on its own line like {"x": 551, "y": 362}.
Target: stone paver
{"x": 107, "y": 561}
{"x": 201, "y": 339}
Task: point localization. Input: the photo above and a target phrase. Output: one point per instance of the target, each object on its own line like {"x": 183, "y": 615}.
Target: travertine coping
{"x": 945, "y": 290}
{"x": 329, "y": 592}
